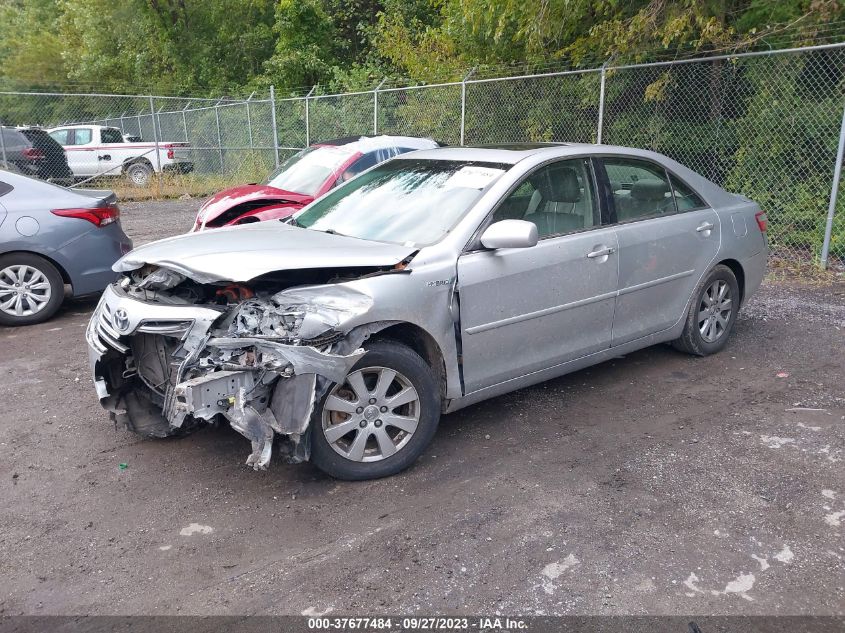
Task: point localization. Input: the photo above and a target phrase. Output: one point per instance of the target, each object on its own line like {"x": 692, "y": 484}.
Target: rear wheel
{"x": 712, "y": 314}
{"x": 31, "y": 289}
{"x": 140, "y": 173}
{"x": 379, "y": 421}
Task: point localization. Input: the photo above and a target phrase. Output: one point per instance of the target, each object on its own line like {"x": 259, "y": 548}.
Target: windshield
{"x": 307, "y": 170}
{"x": 412, "y": 202}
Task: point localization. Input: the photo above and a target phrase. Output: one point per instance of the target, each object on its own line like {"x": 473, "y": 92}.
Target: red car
{"x": 303, "y": 178}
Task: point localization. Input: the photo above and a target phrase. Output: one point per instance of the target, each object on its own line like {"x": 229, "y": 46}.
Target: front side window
{"x": 60, "y": 136}
{"x": 307, "y": 171}
{"x": 111, "y": 135}
{"x": 640, "y": 188}
{"x": 81, "y": 136}
{"x": 558, "y": 198}
{"x": 412, "y": 202}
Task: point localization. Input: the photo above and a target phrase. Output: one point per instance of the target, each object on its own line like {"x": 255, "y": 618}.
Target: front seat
{"x": 553, "y": 207}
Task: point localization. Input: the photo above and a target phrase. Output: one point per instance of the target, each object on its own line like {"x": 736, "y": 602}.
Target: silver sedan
{"x": 428, "y": 283}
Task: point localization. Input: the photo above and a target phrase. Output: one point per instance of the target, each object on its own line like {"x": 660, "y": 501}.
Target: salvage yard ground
{"x": 655, "y": 483}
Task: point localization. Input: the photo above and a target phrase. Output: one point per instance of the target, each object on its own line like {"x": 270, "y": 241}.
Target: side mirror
{"x": 510, "y": 234}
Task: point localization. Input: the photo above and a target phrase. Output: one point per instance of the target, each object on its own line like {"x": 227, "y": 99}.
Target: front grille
{"x": 106, "y": 331}
{"x": 168, "y": 328}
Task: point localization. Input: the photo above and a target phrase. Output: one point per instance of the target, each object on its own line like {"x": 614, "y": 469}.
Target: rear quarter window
{"x": 5, "y": 188}
{"x": 685, "y": 197}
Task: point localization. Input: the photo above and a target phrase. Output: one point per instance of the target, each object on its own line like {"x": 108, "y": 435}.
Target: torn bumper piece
{"x": 162, "y": 381}
{"x": 276, "y": 398}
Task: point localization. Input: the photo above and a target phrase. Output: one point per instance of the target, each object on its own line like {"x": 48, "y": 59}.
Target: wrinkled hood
{"x": 228, "y": 198}
{"x": 241, "y": 253}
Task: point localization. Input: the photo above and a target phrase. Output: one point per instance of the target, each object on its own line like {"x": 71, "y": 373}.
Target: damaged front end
{"x": 170, "y": 354}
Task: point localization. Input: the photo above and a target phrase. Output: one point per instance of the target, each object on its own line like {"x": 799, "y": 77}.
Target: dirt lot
{"x": 656, "y": 483}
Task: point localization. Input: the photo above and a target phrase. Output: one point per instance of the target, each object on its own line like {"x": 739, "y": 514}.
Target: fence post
{"x": 122, "y": 127}
{"x": 308, "y": 117}
{"x": 834, "y": 192}
{"x": 185, "y": 121}
{"x": 3, "y": 147}
{"x": 249, "y": 123}
{"x": 273, "y": 122}
{"x": 601, "y": 103}
{"x": 158, "y": 151}
{"x": 219, "y": 139}
{"x": 464, "y": 102}
{"x": 375, "y": 106}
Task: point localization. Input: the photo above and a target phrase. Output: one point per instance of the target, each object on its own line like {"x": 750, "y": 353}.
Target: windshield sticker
{"x": 474, "y": 177}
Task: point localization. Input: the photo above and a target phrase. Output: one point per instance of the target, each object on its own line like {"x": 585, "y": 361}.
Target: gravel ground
{"x": 656, "y": 483}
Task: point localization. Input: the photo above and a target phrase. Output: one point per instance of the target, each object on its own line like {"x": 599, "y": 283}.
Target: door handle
{"x": 607, "y": 250}
{"x": 104, "y": 157}
{"x": 707, "y": 226}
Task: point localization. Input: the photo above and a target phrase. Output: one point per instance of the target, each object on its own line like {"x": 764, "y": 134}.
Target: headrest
{"x": 557, "y": 184}
{"x": 649, "y": 190}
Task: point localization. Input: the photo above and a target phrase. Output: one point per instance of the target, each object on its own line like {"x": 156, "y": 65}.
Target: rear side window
{"x": 80, "y": 136}
{"x": 641, "y": 189}
{"x": 111, "y": 135}
{"x": 5, "y": 188}
{"x": 686, "y": 198}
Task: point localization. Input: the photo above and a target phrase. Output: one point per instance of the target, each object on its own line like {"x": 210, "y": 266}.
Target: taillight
{"x": 170, "y": 153}
{"x": 98, "y": 216}
{"x": 762, "y": 220}
{"x": 32, "y": 153}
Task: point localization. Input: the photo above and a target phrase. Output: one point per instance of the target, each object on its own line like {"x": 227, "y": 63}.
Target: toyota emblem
{"x": 121, "y": 320}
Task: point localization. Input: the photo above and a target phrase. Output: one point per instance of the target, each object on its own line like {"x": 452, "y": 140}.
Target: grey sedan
{"x": 52, "y": 238}
{"x": 428, "y": 283}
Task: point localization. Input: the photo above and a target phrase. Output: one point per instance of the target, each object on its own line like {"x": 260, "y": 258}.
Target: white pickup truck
{"x": 97, "y": 150}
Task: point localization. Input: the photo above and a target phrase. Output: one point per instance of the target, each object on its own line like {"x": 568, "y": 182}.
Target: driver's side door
{"x": 527, "y": 309}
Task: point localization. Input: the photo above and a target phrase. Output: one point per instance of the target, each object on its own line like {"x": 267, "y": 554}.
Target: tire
{"x": 42, "y": 300}
{"x": 707, "y": 328}
{"x": 338, "y": 455}
{"x": 139, "y": 173}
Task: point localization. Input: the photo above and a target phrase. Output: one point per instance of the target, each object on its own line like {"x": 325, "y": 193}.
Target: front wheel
{"x": 712, "y": 313}
{"x": 381, "y": 419}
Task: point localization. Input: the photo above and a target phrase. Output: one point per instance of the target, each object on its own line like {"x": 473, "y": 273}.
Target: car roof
{"x": 370, "y": 143}
{"x": 510, "y": 154}
{"x": 78, "y": 125}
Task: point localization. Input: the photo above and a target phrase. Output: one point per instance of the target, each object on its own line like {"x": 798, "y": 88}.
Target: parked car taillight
{"x": 98, "y": 216}
{"x": 170, "y": 153}
{"x": 32, "y": 153}
{"x": 762, "y": 220}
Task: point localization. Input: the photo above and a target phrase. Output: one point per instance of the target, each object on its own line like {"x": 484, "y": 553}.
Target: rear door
{"x": 666, "y": 243}
{"x": 524, "y": 310}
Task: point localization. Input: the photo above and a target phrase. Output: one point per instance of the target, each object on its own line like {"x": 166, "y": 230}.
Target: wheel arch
{"x": 423, "y": 344}
{"x": 65, "y": 276}
{"x": 136, "y": 159}
{"x": 739, "y": 273}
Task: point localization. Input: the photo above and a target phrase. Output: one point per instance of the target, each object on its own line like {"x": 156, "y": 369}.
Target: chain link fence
{"x": 766, "y": 125}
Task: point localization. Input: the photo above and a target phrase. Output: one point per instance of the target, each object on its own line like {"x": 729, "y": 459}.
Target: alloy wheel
{"x": 714, "y": 311}
{"x": 24, "y": 290}
{"x": 372, "y": 415}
